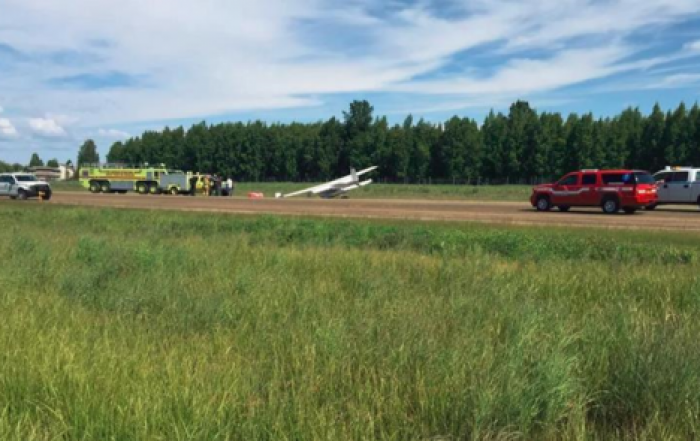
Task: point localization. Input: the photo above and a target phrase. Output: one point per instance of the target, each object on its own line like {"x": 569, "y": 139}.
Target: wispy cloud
{"x": 90, "y": 60}
{"x": 7, "y": 129}
{"x": 47, "y": 128}
{"x": 113, "y": 133}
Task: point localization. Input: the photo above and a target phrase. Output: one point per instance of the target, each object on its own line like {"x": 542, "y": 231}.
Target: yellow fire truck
{"x": 117, "y": 178}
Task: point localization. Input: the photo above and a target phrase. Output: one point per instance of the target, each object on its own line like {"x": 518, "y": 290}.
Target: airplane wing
{"x": 367, "y": 170}
{"x": 346, "y": 183}
{"x": 313, "y": 190}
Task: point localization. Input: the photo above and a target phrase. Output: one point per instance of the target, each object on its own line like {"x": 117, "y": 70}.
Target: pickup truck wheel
{"x": 651, "y": 207}
{"x": 564, "y": 208}
{"x": 13, "y": 197}
{"x": 610, "y": 206}
{"x": 629, "y": 210}
{"x": 46, "y": 196}
{"x": 22, "y": 195}
{"x": 94, "y": 187}
{"x": 543, "y": 203}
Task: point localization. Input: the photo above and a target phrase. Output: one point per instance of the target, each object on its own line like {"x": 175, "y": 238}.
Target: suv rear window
{"x": 589, "y": 179}
{"x": 617, "y": 178}
{"x": 644, "y": 178}
{"x": 26, "y": 178}
{"x": 679, "y": 177}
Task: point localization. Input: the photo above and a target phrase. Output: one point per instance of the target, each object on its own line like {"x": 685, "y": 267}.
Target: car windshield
{"x": 644, "y": 178}
{"x": 26, "y": 178}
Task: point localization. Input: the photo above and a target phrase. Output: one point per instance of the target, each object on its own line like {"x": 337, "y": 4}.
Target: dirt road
{"x": 664, "y": 218}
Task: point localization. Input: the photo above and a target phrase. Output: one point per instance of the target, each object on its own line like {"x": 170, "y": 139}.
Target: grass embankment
{"x": 122, "y": 324}
{"x": 378, "y": 191}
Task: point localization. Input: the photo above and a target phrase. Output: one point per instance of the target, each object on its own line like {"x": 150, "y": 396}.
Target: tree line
{"x": 520, "y": 146}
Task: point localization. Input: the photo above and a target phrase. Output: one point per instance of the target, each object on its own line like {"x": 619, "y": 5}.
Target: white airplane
{"x": 335, "y": 188}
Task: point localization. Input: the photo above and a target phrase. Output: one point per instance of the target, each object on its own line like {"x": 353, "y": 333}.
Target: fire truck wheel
{"x": 141, "y": 188}
{"x": 174, "y": 191}
{"x": 564, "y": 208}
{"x": 629, "y": 210}
{"x": 153, "y": 189}
{"x": 610, "y": 205}
{"x": 543, "y": 204}
{"x": 105, "y": 187}
{"x": 94, "y": 187}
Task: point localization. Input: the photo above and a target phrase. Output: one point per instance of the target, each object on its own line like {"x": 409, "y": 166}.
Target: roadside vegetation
{"x": 121, "y": 324}
{"x": 376, "y": 191}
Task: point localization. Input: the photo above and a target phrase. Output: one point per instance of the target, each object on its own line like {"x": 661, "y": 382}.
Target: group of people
{"x": 212, "y": 185}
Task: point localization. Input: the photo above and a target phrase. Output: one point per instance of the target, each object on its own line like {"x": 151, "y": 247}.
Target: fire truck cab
{"x": 611, "y": 190}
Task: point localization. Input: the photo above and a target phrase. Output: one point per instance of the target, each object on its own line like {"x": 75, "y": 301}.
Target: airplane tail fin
{"x": 367, "y": 182}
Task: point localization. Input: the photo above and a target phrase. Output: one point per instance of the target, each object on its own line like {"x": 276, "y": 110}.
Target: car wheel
{"x": 543, "y": 204}
{"x": 651, "y": 207}
{"x": 22, "y": 195}
{"x": 629, "y": 210}
{"x": 564, "y": 208}
{"x": 611, "y": 206}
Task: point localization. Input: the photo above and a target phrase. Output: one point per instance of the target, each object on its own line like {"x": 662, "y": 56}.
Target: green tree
{"x": 358, "y": 136}
{"x": 52, "y": 163}
{"x": 36, "y": 161}
{"x": 88, "y": 153}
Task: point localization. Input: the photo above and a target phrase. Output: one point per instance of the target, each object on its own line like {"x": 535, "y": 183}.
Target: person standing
{"x": 229, "y": 185}
{"x": 207, "y": 185}
{"x": 193, "y": 185}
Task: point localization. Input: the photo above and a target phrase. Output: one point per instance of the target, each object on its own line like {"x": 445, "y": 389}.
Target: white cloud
{"x": 7, "y": 129}
{"x": 47, "y": 128}
{"x": 693, "y": 46}
{"x": 195, "y": 59}
{"x": 113, "y": 133}
{"x": 675, "y": 81}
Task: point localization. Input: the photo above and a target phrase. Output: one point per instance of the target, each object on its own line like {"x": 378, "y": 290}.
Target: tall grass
{"x": 154, "y": 325}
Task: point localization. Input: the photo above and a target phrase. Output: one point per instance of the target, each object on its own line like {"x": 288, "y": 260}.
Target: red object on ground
{"x": 254, "y": 195}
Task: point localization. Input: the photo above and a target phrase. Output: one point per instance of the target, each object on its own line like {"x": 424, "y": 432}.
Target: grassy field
{"x": 122, "y": 324}
{"x": 379, "y": 191}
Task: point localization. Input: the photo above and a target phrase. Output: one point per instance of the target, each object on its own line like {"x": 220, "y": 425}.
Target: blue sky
{"x": 107, "y": 70}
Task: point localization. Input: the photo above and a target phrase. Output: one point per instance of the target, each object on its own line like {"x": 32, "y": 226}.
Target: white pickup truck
{"x": 677, "y": 185}
{"x": 23, "y": 186}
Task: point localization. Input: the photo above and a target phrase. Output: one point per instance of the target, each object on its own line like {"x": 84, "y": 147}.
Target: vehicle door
{"x": 662, "y": 190}
{"x": 679, "y": 187}
{"x": 4, "y": 185}
{"x": 589, "y": 189}
{"x": 694, "y": 186}
{"x": 565, "y": 191}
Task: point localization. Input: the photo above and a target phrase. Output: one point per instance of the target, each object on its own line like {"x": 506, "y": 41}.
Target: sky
{"x": 108, "y": 70}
